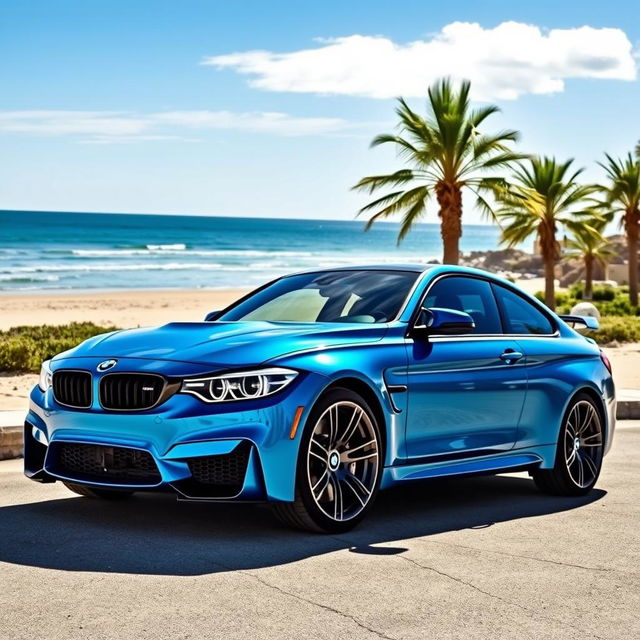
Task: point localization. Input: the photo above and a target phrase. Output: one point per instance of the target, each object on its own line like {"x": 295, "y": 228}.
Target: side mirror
{"x": 443, "y": 322}
{"x": 211, "y": 316}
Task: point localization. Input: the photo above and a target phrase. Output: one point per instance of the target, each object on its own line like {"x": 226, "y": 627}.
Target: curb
{"x": 11, "y": 434}
{"x": 628, "y": 410}
{"x": 11, "y": 442}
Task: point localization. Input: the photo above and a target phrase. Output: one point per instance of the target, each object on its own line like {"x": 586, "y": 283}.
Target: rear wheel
{"x": 339, "y": 466}
{"x": 93, "y": 492}
{"x": 579, "y": 452}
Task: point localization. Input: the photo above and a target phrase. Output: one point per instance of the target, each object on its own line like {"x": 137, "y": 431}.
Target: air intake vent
{"x": 227, "y": 469}
{"x": 220, "y": 476}
{"x": 72, "y": 388}
{"x": 131, "y": 391}
{"x": 98, "y": 463}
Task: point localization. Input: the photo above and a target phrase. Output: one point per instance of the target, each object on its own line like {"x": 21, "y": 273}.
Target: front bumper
{"x": 187, "y": 440}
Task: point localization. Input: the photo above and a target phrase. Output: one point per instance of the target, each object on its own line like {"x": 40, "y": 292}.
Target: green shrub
{"x": 601, "y": 293}
{"x": 22, "y": 349}
{"x": 620, "y": 329}
{"x": 563, "y": 299}
{"x": 610, "y": 301}
{"x": 618, "y": 307}
{"x": 576, "y": 290}
{"x": 604, "y": 294}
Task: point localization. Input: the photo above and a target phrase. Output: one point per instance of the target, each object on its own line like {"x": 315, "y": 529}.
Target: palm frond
{"x": 389, "y": 197}
{"x": 371, "y": 183}
{"x": 486, "y": 209}
{"x": 544, "y": 194}
{"x": 445, "y": 147}
{"x": 622, "y": 193}
{"x": 478, "y": 116}
{"x": 412, "y": 215}
{"x": 396, "y": 203}
{"x": 484, "y": 145}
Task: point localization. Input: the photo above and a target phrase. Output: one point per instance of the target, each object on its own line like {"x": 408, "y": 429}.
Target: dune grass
{"x": 23, "y": 349}
{"x": 617, "y": 329}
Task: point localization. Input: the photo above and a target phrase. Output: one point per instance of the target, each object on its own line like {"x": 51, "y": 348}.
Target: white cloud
{"x": 125, "y": 139}
{"x": 102, "y": 127}
{"x": 505, "y": 62}
{"x": 259, "y": 122}
{"x": 99, "y": 123}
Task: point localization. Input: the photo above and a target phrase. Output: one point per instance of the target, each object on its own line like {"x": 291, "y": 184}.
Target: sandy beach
{"x": 147, "y": 308}
{"x": 124, "y": 309}
{"x": 130, "y": 308}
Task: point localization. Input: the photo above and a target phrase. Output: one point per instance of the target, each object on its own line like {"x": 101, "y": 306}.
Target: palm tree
{"x": 591, "y": 248}
{"x": 446, "y": 153}
{"x": 622, "y": 195}
{"x": 544, "y": 195}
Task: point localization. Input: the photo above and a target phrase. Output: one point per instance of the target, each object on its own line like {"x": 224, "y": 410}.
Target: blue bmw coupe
{"x": 319, "y": 389}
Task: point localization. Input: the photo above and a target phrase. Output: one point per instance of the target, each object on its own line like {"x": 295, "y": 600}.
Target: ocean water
{"x": 79, "y": 251}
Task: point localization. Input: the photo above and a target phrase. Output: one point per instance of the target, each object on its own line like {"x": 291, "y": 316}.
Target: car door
{"x": 548, "y": 359}
{"x": 465, "y": 392}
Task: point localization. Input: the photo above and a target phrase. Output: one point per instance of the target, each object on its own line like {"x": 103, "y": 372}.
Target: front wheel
{"x": 339, "y": 466}
{"x": 579, "y": 452}
{"x": 93, "y": 492}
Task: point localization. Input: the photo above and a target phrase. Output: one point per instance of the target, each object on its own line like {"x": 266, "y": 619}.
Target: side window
{"x": 472, "y": 295}
{"x": 520, "y": 316}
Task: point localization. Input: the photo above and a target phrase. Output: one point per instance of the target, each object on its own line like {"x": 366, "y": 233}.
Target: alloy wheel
{"x": 343, "y": 461}
{"x": 583, "y": 444}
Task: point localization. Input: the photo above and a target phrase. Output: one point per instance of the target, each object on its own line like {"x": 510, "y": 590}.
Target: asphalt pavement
{"x": 485, "y": 557}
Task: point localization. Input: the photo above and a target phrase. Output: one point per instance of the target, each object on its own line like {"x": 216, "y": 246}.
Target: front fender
{"x": 381, "y": 367}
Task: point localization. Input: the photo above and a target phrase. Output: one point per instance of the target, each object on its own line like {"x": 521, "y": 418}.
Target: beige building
{"x": 619, "y": 273}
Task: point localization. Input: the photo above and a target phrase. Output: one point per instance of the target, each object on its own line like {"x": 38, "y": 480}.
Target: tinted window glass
{"x": 471, "y": 295}
{"x": 328, "y": 296}
{"x": 520, "y": 316}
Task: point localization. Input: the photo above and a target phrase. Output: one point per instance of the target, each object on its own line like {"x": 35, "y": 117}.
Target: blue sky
{"x": 165, "y": 107}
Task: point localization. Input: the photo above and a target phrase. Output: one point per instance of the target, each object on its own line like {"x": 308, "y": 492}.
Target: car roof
{"x": 416, "y": 268}
{"x": 422, "y": 270}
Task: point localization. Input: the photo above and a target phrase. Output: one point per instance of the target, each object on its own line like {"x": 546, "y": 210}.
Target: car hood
{"x": 224, "y": 344}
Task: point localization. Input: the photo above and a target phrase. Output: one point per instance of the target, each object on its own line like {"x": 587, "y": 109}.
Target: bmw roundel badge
{"x": 106, "y": 365}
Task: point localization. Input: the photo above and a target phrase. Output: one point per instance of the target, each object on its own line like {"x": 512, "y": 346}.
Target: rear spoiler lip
{"x": 588, "y": 322}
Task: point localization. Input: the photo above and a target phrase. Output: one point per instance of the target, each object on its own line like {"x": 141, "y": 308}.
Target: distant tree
{"x": 543, "y": 195}
{"x": 446, "y": 154}
{"x": 591, "y": 247}
{"x": 622, "y": 195}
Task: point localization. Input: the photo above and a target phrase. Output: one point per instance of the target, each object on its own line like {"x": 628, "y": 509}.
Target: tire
{"x": 101, "y": 494}
{"x": 335, "y": 488}
{"x": 579, "y": 451}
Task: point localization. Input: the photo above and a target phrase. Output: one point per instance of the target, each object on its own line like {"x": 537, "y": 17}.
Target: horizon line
{"x": 219, "y": 215}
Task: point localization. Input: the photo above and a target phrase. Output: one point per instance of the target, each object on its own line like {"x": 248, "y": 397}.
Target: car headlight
{"x": 240, "y": 385}
{"x": 44, "y": 382}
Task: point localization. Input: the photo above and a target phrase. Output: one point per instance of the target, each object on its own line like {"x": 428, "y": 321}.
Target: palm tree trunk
{"x": 588, "y": 277}
{"x": 549, "y": 251}
{"x": 632, "y": 244}
{"x": 450, "y": 200}
{"x": 549, "y": 282}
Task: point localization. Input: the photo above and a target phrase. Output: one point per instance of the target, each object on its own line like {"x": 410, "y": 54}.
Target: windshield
{"x": 328, "y": 296}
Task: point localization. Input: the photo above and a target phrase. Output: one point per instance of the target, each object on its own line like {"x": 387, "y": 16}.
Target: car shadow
{"x": 155, "y": 534}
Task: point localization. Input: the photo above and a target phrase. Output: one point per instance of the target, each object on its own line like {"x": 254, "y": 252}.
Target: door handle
{"x": 511, "y": 356}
